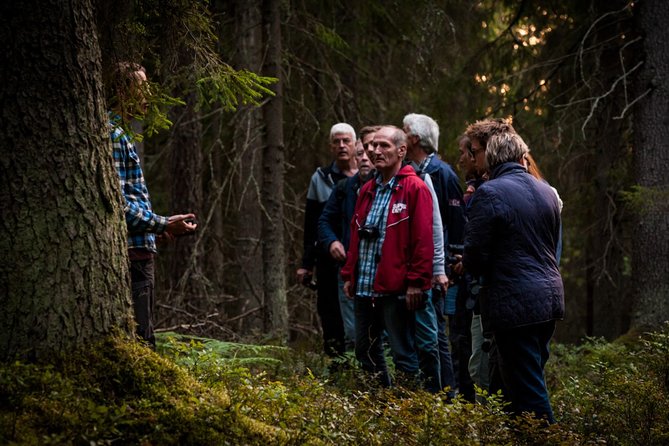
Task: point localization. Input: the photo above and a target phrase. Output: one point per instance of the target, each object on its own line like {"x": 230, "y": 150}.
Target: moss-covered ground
{"x": 206, "y": 392}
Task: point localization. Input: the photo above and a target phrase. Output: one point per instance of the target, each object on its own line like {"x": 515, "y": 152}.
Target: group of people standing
{"x": 404, "y": 258}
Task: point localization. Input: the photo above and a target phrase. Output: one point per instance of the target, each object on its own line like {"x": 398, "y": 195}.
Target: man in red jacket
{"x": 389, "y": 263}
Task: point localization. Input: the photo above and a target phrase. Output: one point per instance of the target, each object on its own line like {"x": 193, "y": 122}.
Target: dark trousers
{"x": 369, "y": 339}
{"x": 372, "y": 316}
{"x": 445, "y": 360}
{"x": 461, "y": 342}
{"x": 520, "y": 356}
{"x": 327, "y": 305}
{"x": 142, "y": 277}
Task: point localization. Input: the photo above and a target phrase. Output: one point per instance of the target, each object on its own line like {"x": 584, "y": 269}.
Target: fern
{"x": 196, "y": 352}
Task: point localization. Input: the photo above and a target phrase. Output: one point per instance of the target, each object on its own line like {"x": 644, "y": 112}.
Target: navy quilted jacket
{"x": 510, "y": 240}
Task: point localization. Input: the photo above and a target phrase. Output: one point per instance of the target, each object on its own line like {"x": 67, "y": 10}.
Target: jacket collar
{"x": 406, "y": 171}
{"x": 506, "y": 169}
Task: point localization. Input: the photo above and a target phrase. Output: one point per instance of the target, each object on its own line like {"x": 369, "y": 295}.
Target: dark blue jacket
{"x": 322, "y": 182}
{"x": 511, "y": 240}
{"x": 335, "y": 220}
{"x": 451, "y": 205}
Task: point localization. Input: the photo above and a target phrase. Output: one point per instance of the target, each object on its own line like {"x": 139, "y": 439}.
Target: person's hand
{"x": 348, "y": 289}
{"x": 440, "y": 281}
{"x": 414, "y": 298}
{"x": 337, "y": 251}
{"x": 181, "y": 224}
{"x": 302, "y": 273}
{"x": 458, "y": 268}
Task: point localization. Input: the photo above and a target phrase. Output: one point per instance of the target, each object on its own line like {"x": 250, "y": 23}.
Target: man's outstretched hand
{"x": 181, "y": 224}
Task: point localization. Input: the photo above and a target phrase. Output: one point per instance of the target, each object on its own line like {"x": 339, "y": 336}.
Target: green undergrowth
{"x": 615, "y": 393}
{"x": 206, "y": 392}
{"x": 119, "y": 392}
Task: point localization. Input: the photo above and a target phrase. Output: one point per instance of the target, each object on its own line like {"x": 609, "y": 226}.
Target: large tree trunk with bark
{"x": 248, "y": 171}
{"x": 651, "y": 154}
{"x": 63, "y": 270}
{"x": 273, "y": 169}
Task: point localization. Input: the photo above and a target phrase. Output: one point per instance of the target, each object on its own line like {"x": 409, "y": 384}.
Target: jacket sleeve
{"x": 479, "y": 233}
{"x": 451, "y": 204}
{"x": 419, "y": 269}
{"x": 329, "y": 220}
{"x": 455, "y": 213}
{"x": 312, "y": 211}
{"x": 349, "y": 269}
{"x": 438, "y": 262}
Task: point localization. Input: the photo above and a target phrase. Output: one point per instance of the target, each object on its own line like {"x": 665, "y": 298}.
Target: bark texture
{"x": 651, "y": 156}
{"x": 273, "y": 172}
{"x": 186, "y": 161}
{"x": 63, "y": 269}
{"x": 248, "y": 173}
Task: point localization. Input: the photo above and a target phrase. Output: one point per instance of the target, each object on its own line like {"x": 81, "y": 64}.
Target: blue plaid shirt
{"x": 370, "y": 249}
{"x": 423, "y": 164}
{"x": 142, "y": 223}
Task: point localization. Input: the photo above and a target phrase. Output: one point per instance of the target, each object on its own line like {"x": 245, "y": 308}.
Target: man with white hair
{"x": 510, "y": 242}
{"x": 423, "y": 142}
{"x": 334, "y": 224}
{"x": 342, "y": 147}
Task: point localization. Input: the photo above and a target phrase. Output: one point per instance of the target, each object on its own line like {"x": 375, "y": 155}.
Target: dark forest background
{"x": 262, "y": 81}
{"x": 566, "y": 73}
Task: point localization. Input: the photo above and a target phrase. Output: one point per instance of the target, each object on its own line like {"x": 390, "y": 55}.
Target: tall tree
{"x": 184, "y": 276}
{"x": 273, "y": 177}
{"x": 651, "y": 155}
{"x": 248, "y": 172}
{"x": 63, "y": 269}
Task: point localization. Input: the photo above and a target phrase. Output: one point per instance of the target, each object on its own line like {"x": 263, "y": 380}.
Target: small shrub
{"x": 616, "y": 393}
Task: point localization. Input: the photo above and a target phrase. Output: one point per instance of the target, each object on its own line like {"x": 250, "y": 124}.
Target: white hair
{"x": 425, "y": 128}
{"x": 342, "y": 127}
{"x": 503, "y": 148}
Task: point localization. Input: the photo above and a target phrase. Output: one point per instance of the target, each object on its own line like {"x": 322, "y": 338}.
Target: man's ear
{"x": 402, "y": 150}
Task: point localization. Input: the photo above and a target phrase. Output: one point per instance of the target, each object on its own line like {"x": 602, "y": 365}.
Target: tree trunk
{"x": 63, "y": 271}
{"x": 187, "y": 285}
{"x": 273, "y": 169}
{"x": 248, "y": 153}
{"x": 183, "y": 285}
{"x": 651, "y": 156}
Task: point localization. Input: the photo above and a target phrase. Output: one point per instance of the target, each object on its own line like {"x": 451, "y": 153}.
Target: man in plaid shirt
{"x": 143, "y": 224}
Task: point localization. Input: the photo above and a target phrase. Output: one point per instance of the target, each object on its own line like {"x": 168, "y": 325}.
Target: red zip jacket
{"x": 407, "y": 251}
